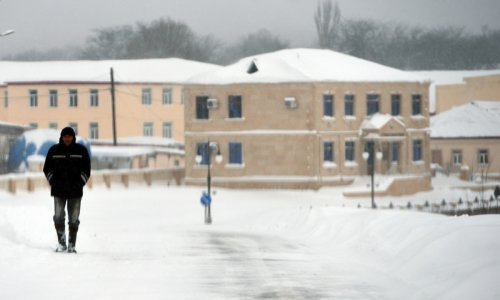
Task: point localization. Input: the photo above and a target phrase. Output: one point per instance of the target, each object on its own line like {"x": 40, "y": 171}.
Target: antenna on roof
{"x": 253, "y": 67}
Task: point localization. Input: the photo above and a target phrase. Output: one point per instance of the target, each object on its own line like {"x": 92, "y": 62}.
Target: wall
{"x": 130, "y": 112}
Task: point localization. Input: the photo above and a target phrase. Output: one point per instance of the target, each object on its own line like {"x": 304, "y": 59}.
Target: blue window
{"x": 235, "y": 107}
{"x": 396, "y": 105}
{"x": 201, "y": 107}
{"x": 349, "y": 151}
{"x": 372, "y": 104}
{"x": 328, "y": 152}
{"x": 416, "y": 105}
{"x": 235, "y": 153}
{"x": 328, "y": 106}
{"x": 202, "y": 149}
{"x": 349, "y": 105}
{"x": 394, "y": 152}
{"x": 417, "y": 150}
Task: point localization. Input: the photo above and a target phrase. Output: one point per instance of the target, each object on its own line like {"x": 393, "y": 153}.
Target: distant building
{"x": 468, "y": 137}
{"x": 301, "y": 118}
{"x": 455, "y": 88}
{"x": 78, "y": 93}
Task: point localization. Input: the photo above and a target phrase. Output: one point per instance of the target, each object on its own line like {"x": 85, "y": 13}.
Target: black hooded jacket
{"x": 67, "y": 168}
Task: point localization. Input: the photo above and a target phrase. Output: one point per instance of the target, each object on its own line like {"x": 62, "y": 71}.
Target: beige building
{"x": 455, "y": 88}
{"x": 148, "y": 96}
{"x": 467, "y": 139}
{"x": 302, "y": 118}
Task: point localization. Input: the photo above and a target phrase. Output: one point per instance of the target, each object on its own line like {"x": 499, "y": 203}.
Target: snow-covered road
{"x": 152, "y": 243}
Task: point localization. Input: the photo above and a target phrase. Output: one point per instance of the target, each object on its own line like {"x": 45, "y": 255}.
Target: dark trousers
{"x": 73, "y": 211}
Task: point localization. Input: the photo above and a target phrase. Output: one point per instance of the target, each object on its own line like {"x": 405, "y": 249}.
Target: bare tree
{"x": 327, "y": 19}
{"x": 261, "y": 41}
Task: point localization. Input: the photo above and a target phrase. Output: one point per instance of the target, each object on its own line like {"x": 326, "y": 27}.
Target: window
{"x": 167, "y": 130}
{"x": 372, "y": 104}
{"x": 34, "y": 125}
{"x": 73, "y": 98}
{"x": 456, "y": 156}
{"x": 146, "y": 96}
{"x": 33, "y": 98}
{"x": 6, "y": 99}
{"x": 328, "y": 152}
{"x": 349, "y": 151}
{"x": 349, "y": 105}
{"x": 94, "y": 131}
{"x": 416, "y": 105}
{"x": 483, "y": 157}
{"x": 148, "y": 129}
{"x": 394, "y": 153}
{"x": 395, "y": 105}
{"x": 74, "y": 126}
{"x": 53, "y": 98}
{"x": 235, "y": 107}
{"x": 328, "y": 109}
{"x": 53, "y": 125}
{"x": 235, "y": 153}
{"x": 201, "y": 107}
{"x": 167, "y": 96}
{"x": 202, "y": 150}
{"x": 417, "y": 150}
{"x": 94, "y": 98}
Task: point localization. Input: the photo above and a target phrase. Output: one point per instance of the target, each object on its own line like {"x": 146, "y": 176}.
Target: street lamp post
{"x": 367, "y": 155}
{"x": 218, "y": 158}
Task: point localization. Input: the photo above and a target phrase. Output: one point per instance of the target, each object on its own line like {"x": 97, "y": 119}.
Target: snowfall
{"x": 151, "y": 242}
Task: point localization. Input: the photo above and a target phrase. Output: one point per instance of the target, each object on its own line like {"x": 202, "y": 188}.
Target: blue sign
{"x": 205, "y": 199}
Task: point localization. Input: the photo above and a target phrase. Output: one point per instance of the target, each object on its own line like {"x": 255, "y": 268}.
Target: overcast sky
{"x": 45, "y": 24}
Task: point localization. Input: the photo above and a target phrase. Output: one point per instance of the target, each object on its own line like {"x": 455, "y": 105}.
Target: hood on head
{"x": 67, "y": 131}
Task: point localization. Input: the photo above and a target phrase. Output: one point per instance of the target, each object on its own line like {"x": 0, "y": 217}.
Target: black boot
{"x": 61, "y": 237}
{"x": 73, "y": 230}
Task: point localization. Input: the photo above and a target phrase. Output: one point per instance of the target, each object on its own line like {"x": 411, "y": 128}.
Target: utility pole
{"x": 113, "y": 106}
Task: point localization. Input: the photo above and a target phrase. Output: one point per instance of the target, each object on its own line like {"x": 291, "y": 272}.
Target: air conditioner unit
{"x": 212, "y": 103}
{"x": 291, "y": 102}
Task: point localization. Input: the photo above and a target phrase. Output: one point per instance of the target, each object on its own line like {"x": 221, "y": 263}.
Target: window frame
{"x": 417, "y": 146}
{"x": 416, "y": 104}
{"x": 167, "y": 130}
{"x": 73, "y": 98}
{"x": 201, "y": 108}
{"x": 235, "y": 153}
{"x": 349, "y": 104}
{"x": 147, "y": 96}
{"x": 328, "y": 105}
{"x": 372, "y": 104}
{"x": 350, "y": 151}
{"x": 328, "y": 151}
{"x": 395, "y": 103}
{"x": 94, "y": 130}
{"x": 235, "y": 107}
{"x": 53, "y": 98}
{"x": 33, "y": 97}
{"x": 94, "y": 98}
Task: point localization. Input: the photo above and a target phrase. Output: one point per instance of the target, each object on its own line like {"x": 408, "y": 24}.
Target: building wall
{"x": 470, "y": 149}
{"x": 474, "y": 88}
{"x": 131, "y": 114}
{"x": 285, "y": 146}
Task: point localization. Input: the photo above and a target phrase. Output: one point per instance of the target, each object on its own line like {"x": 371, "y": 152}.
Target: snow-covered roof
{"x": 168, "y": 70}
{"x": 303, "y": 65}
{"x": 477, "y": 119}
{"x": 447, "y": 78}
{"x": 378, "y": 120}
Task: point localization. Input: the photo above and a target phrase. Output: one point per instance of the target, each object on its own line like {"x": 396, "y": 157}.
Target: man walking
{"x": 67, "y": 168}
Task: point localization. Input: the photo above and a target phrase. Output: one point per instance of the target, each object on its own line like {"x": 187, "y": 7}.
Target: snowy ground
{"x": 151, "y": 243}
